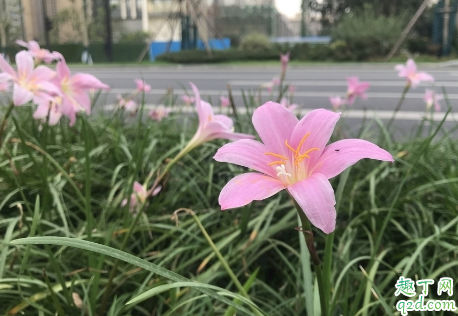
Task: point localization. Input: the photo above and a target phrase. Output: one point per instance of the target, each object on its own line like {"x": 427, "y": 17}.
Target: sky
{"x": 288, "y": 7}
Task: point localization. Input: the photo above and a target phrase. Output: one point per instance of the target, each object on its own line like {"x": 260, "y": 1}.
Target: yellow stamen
{"x": 276, "y": 162}
{"x": 276, "y": 155}
{"x": 302, "y": 141}
{"x": 291, "y": 148}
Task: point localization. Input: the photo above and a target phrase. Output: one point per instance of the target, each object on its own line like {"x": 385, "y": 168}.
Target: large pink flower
{"x": 409, "y": 71}
{"x": 38, "y": 53}
{"x": 29, "y": 82}
{"x": 356, "y": 89}
{"x": 74, "y": 89}
{"x": 212, "y": 126}
{"x": 293, "y": 156}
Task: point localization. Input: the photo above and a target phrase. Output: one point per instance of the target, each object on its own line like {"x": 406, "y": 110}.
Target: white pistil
{"x": 282, "y": 171}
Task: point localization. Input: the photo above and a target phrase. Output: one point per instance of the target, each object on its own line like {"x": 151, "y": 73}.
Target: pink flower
{"x": 356, "y": 89}
{"x": 74, "y": 90}
{"x": 121, "y": 100}
{"x": 159, "y": 113}
{"x": 336, "y": 102}
{"x": 293, "y": 156}
{"x": 139, "y": 196}
{"x": 187, "y": 99}
{"x": 409, "y": 71}
{"x": 38, "y": 53}
{"x": 4, "y": 86}
{"x": 212, "y": 126}
{"x": 285, "y": 103}
{"x": 224, "y": 101}
{"x": 142, "y": 86}
{"x": 284, "y": 59}
{"x": 29, "y": 82}
{"x": 271, "y": 84}
{"x": 130, "y": 106}
{"x": 431, "y": 98}
{"x": 49, "y": 107}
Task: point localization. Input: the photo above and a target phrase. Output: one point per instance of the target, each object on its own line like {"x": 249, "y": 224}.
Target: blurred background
{"x": 136, "y": 30}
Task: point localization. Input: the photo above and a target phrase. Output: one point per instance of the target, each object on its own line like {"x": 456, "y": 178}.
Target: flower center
{"x": 289, "y": 168}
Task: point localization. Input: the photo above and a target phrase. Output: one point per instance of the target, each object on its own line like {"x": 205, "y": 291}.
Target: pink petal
{"x": 342, "y": 154}
{"x": 21, "y": 96}
{"x": 5, "y": 67}
{"x": 247, "y": 153}
{"x": 248, "y": 187}
{"x": 320, "y": 124}
{"x": 316, "y": 198}
{"x": 86, "y": 81}
{"x": 50, "y": 87}
{"x": 231, "y": 136}
{"x": 33, "y": 46}
{"x": 62, "y": 70}
{"x": 411, "y": 67}
{"x": 22, "y": 43}
{"x": 83, "y": 100}
{"x": 402, "y": 70}
{"x": 204, "y": 109}
{"x": 41, "y": 112}
{"x": 156, "y": 191}
{"x": 54, "y": 116}
{"x": 225, "y": 120}
{"x": 25, "y": 63}
{"x": 274, "y": 124}
{"x": 423, "y": 76}
{"x": 138, "y": 187}
{"x": 4, "y": 77}
{"x": 43, "y": 73}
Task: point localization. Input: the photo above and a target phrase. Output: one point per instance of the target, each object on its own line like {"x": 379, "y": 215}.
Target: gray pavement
{"x": 314, "y": 85}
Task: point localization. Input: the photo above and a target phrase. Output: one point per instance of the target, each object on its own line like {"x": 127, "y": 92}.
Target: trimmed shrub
{"x": 217, "y": 56}
{"x": 368, "y": 35}
{"x": 255, "y": 42}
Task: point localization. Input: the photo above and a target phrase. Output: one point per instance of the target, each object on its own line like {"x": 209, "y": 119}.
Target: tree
{"x": 331, "y": 10}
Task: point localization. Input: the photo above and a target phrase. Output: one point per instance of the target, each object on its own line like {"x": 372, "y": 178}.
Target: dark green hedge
{"x": 122, "y": 52}
{"x": 218, "y": 56}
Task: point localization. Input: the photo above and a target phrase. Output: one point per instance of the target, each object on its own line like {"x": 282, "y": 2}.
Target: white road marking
{"x": 311, "y": 94}
{"x": 343, "y": 83}
{"x": 359, "y": 114}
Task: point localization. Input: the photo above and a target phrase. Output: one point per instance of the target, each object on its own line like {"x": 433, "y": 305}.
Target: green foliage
{"x": 217, "y": 56}
{"x": 138, "y": 36}
{"x": 367, "y": 34}
{"x": 255, "y": 42}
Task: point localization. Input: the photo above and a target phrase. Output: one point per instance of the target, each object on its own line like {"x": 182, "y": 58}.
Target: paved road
{"x": 314, "y": 85}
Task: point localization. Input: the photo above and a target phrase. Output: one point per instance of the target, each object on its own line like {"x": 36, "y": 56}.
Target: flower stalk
{"x": 4, "y": 120}
{"x": 308, "y": 236}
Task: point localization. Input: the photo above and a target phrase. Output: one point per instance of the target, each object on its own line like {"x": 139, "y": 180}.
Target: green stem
{"x": 308, "y": 235}
{"x": 3, "y": 125}
{"x": 398, "y": 107}
{"x": 280, "y": 86}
